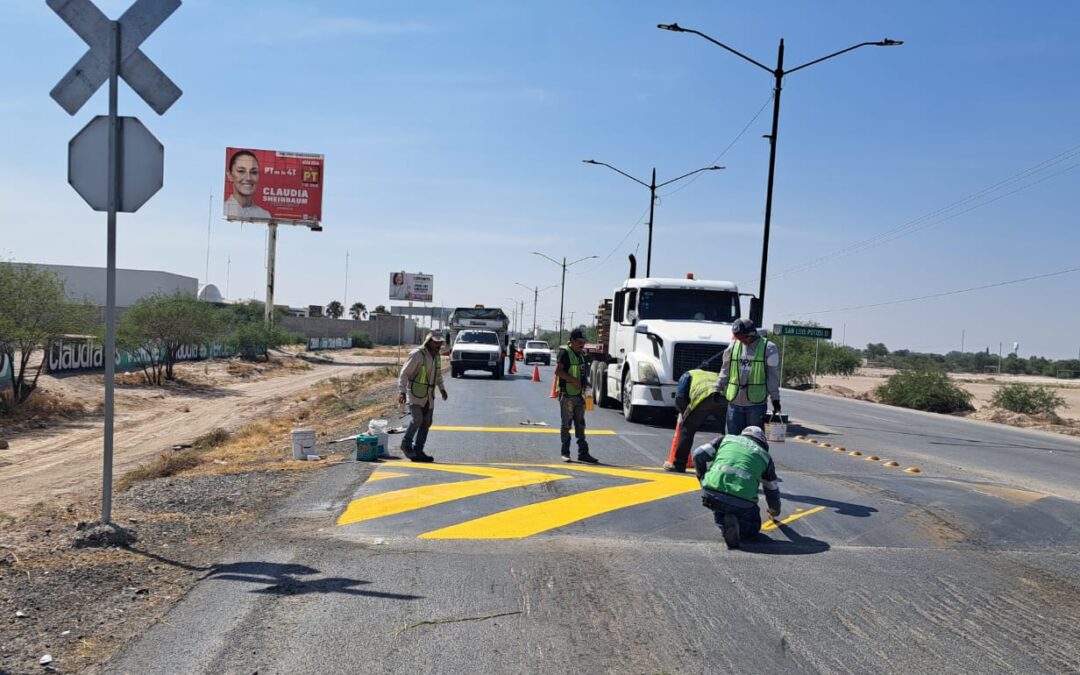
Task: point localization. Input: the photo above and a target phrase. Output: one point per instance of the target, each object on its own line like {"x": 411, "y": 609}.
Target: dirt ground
{"x": 982, "y": 388}
{"x": 78, "y": 606}
{"x": 64, "y": 457}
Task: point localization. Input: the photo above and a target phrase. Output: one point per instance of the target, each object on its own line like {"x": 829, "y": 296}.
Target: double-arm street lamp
{"x": 778, "y": 74}
{"x": 652, "y": 187}
{"x": 536, "y": 291}
{"x": 562, "y": 296}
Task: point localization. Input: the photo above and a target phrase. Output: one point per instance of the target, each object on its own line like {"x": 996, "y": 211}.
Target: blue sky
{"x": 454, "y": 134}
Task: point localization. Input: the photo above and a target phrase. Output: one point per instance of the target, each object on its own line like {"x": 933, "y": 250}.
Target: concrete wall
{"x": 383, "y": 328}
{"x": 89, "y": 283}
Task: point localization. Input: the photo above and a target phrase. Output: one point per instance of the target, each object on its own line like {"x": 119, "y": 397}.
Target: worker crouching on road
{"x": 695, "y": 402}
{"x": 729, "y": 486}
{"x": 573, "y": 381}
{"x": 419, "y": 377}
{"x": 750, "y": 374}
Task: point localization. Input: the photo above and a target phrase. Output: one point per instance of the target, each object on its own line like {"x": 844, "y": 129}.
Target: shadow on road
{"x": 843, "y": 508}
{"x": 281, "y": 579}
{"x": 796, "y": 544}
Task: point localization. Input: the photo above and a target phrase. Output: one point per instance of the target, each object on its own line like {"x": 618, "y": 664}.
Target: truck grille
{"x": 474, "y": 356}
{"x": 689, "y": 356}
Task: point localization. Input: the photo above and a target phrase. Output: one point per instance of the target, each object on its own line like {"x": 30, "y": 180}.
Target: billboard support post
{"x": 271, "y": 253}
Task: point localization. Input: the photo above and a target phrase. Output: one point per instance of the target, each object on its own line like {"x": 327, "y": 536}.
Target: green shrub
{"x": 1027, "y": 398}
{"x": 929, "y": 390}
{"x": 361, "y": 339}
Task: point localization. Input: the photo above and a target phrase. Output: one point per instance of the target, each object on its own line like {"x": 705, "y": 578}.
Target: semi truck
{"x": 651, "y": 331}
{"x": 478, "y": 340}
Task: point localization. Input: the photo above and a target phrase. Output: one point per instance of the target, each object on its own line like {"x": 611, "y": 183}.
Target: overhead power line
{"x": 983, "y": 197}
{"x": 944, "y": 294}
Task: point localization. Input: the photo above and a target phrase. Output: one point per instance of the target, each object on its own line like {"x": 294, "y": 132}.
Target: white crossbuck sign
{"x": 92, "y": 70}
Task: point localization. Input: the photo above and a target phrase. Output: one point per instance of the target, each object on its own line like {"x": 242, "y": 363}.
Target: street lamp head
{"x": 890, "y": 43}
{"x": 716, "y": 168}
{"x": 673, "y": 27}
{"x": 590, "y": 161}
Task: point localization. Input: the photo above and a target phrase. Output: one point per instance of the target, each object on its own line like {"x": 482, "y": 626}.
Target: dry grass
{"x": 42, "y": 407}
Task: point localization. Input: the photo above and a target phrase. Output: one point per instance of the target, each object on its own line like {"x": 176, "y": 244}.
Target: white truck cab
{"x": 659, "y": 329}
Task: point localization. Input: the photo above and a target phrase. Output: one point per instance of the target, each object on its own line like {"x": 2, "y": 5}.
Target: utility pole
{"x": 345, "y": 297}
{"x": 536, "y": 291}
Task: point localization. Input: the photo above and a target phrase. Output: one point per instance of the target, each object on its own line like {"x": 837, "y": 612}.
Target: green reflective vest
{"x": 756, "y": 389}
{"x": 421, "y": 386}
{"x": 575, "y": 371}
{"x": 736, "y": 470}
{"x": 702, "y": 385}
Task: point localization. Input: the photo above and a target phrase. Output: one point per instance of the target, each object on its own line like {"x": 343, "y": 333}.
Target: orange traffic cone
{"x": 513, "y": 367}
{"x": 554, "y": 390}
{"x": 536, "y": 374}
{"x": 675, "y": 440}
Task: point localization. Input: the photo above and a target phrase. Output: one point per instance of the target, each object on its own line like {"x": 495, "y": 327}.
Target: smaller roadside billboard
{"x": 272, "y": 186}
{"x": 408, "y": 286}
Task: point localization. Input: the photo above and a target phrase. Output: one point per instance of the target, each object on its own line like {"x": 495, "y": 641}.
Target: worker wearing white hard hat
{"x": 730, "y": 469}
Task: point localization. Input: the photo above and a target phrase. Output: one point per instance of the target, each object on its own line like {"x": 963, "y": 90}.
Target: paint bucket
{"x": 367, "y": 448}
{"x": 379, "y": 428}
{"x": 303, "y": 443}
{"x": 776, "y": 428}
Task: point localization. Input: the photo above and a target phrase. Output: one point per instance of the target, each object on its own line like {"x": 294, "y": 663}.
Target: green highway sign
{"x": 817, "y": 332}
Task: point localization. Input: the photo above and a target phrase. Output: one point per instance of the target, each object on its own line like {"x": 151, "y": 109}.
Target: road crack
{"x": 436, "y": 622}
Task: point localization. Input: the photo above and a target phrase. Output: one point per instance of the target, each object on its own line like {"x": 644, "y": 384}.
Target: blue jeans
{"x": 749, "y": 516}
{"x": 741, "y": 416}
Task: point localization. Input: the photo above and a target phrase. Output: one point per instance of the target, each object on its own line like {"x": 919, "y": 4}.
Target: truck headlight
{"x": 646, "y": 373}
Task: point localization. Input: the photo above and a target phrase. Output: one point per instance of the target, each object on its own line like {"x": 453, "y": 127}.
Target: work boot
{"x": 731, "y": 530}
{"x": 423, "y": 457}
{"x": 587, "y": 458}
{"x": 668, "y": 466}
{"x": 408, "y": 451}
{"x": 566, "y": 457}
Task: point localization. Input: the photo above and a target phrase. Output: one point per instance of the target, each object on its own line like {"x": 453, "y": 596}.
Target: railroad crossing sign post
{"x": 817, "y": 333}
{"x": 134, "y": 159}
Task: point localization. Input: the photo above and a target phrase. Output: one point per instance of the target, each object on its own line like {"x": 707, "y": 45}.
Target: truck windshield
{"x": 478, "y": 338}
{"x": 681, "y": 304}
{"x": 537, "y": 345}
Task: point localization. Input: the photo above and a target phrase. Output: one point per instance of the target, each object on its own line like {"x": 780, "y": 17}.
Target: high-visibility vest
{"x": 575, "y": 372}
{"x": 736, "y": 470}
{"x": 756, "y": 390}
{"x": 702, "y": 385}
{"x": 421, "y": 386}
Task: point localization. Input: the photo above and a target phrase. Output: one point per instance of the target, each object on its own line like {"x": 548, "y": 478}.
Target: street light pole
{"x": 652, "y": 186}
{"x": 562, "y": 295}
{"x": 536, "y": 291}
{"x": 778, "y": 74}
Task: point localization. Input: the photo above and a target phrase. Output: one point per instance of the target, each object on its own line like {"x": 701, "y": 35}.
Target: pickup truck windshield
{"x": 537, "y": 345}
{"x": 478, "y": 338}
{"x": 688, "y": 305}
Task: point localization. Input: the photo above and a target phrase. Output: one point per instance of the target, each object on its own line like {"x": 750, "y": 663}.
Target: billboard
{"x": 272, "y": 186}
{"x": 406, "y": 286}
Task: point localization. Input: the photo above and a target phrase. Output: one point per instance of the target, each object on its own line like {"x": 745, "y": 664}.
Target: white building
{"x": 89, "y": 283}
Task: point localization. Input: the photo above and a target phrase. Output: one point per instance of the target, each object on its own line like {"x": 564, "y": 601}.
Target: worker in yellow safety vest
{"x": 749, "y": 374}
{"x": 419, "y": 377}
{"x": 573, "y": 378}
{"x": 695, "y": 402}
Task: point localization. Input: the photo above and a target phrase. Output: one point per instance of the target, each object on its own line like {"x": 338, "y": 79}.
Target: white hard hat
{"x": 755, "y": 433}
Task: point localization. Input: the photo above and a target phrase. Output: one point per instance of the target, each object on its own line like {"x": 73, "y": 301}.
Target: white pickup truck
{"x": 476, "y": 350}
{"x": 537, "y": 351}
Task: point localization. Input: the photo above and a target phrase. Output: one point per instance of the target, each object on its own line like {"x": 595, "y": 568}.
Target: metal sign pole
{"x": 817, "y": 344}
{"x": 783, "y": 353}
{"x": 110, "y": 269}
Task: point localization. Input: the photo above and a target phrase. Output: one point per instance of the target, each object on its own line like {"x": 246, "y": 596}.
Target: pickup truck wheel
{"x": 454, "y": 372}
{"x": 497, "y": 373}
{"x": 632, "y": 413}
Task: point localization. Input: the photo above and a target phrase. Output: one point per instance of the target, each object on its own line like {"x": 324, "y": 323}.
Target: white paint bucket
{"x": 378, "y": 428}
{"x": 303, "y": 443}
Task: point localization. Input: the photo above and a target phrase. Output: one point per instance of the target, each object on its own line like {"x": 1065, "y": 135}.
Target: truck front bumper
{"x": 653, "y": 395}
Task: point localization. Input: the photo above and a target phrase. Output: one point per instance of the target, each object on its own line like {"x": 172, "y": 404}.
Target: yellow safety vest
{"x": 702, "y": 385}
{"x": 420, "y": 384}
{"x": 756, "y": 389}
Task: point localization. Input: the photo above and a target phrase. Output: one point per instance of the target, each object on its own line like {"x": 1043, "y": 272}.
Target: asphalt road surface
{"x": 499, "y": 558}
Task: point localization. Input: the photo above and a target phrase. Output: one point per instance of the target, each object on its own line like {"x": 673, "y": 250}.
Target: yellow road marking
{"x": 533, "y": 519}
{"x": 522, "y": 430}
{"x": 771, "y": 524}
{"x": 410, "y": 499}
{"x": 383, "y": 475}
